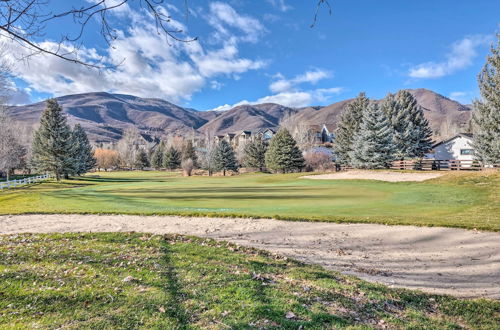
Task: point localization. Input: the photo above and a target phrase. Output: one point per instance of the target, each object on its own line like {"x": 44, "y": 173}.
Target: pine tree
{"x": 373, "y": 147}
{"x": 400, "y": 121}
{"x": 418, "y": 133}
{"x": 157, "y": 157}
{"x": 255, "y": 154}
{"x": 172, "y": 159}
{"x": 486, "y": 117}
{"x": 348, "y": 128}
{"x": 52, "y": 143}
{"x": 283, "y": 155}
{"x": 83, "y": 153}
{"x": 141, "y": 160}
{"x": 411, "y": 131}
{"x": 224, "y": 158}
{"x": 188, "y": 152}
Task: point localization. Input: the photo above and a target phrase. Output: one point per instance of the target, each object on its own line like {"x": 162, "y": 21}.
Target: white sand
{"x": 391, "y": 176}
{"x": 438, "y": 260}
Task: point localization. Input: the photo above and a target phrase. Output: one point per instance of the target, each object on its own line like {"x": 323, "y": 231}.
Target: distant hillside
{"x": 445, "y": 116}
{"x": 248, "y": 117}
{"x": 105, "y": 116}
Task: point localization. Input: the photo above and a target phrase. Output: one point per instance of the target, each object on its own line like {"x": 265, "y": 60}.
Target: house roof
{"x": 466, "y": 135}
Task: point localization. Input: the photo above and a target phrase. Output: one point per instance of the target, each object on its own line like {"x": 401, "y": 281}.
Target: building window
{"x": 466, "y": 151}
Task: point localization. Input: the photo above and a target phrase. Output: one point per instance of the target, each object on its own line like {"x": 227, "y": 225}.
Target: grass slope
{"x": 145, "y": 281}
{"x": 466, "y": 200}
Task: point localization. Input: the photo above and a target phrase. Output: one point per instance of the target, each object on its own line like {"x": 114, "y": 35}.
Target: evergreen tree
{"x": 418, "y": 132}
{"x": 83, "y": 153}
{"x": 224, "y": 158}
{"x": 486, "y": 117}
{"x": 373, "y": 147}
{"x": 411, "y": 131}
{"x": 141, "y": 159}
{"x": 348, "y": 128}
{"x": 188, "y": 152}
{"x": 172, "y": 159}
{"x": 52, "y": 148}
{"x": 399, "y": 119}
{"x": 157, "y": 157}
{"x": 283, "y": 155}
{"x": 255, "y": 153}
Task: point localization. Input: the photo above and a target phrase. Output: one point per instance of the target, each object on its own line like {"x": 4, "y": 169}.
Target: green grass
{"x": 466, "y": 200}
{"x": 77, "y": 281}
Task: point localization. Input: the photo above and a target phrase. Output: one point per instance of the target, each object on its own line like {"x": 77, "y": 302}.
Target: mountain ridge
{"x": 105, "y": 116}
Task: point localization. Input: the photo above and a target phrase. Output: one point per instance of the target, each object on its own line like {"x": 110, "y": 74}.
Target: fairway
{"x": 466, "y": 200}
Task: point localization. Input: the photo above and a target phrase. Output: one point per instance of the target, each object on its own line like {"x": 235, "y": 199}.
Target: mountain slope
{"x": 445, "y": 116}
{"x": 105, "y": 116}
{"x": 247, "y": 117}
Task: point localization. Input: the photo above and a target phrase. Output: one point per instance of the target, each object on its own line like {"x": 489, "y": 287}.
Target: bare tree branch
{"x": 25, "y": 20}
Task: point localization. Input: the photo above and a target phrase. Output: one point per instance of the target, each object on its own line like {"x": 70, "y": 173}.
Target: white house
{"x": 458, "y": 147}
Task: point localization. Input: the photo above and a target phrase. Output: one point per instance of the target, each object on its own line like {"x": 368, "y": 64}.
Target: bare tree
{"x": 11, "y": 150}
{"x": 300, "y": 130}
{"x": 128, "y": 146}
{"x": 24, "y": 21}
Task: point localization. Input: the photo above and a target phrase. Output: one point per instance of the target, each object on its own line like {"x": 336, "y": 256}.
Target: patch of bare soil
{"x": 459, "y": 262}
{"x": 391, "y": 176}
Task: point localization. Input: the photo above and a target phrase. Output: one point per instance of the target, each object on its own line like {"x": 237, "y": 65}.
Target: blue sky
{"x": 265, "y": 51}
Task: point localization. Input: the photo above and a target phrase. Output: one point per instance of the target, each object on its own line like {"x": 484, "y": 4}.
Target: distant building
{"x": 323, "y": 133}
{"x": 242, "y": 137}
{"x": 458, "y": 147}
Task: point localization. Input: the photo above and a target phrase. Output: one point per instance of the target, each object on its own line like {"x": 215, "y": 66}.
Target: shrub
{"x": 187, "y": 166}
{"x": 318, "y": 160}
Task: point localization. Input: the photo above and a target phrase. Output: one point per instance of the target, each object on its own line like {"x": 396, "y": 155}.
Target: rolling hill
{"x": 105, "y": 116}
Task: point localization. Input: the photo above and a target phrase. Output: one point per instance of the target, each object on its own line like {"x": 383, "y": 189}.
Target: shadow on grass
{"x": 174, "y": 307}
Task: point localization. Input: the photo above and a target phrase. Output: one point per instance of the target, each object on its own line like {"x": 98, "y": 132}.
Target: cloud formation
{"x": 147, "y": 65}
{"x": 460, "y": 56}
{"x": 282, "y": 85}
{"x": 288, "y": 92}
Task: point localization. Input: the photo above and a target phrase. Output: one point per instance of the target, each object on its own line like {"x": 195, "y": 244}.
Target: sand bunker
{"x": 460, "y": 262}
{"x": 390, "y": 176}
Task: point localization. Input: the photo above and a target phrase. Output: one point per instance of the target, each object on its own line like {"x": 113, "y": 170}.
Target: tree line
{"x": 373, "y": 134}
{"x": 280, "y": 155}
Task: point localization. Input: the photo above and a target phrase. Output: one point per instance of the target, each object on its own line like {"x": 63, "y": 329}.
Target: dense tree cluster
{"x": 372, "y": 135}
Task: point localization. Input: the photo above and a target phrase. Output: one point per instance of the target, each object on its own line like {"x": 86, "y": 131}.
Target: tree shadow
{"x": 172, "y": 286}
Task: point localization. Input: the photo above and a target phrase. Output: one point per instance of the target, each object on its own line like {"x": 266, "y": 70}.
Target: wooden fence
{"x": 25, "y": 181}
{"x": 440, "y": 165}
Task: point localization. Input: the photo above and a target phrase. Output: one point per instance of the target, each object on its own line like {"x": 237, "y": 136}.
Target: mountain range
{"x": 106, "y": 116}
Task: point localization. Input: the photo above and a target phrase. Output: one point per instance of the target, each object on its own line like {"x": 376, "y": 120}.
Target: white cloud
{"x": 222, "y": 17}
{"x": 282, "y": 85}
{"x": 17, "y": 96}
{"x": 295, "y": 99}
{"x": 280, "y": 4}
{"x": 148, "y": 65}
{"x": 460, "y": 56}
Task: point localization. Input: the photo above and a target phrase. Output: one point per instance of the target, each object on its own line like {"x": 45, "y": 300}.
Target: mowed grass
{"x": 172, "y": 282}
{"x": 460, "y": 199}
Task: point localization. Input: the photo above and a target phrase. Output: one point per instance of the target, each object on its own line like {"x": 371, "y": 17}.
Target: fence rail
{"x": 440, "y": 165}
{"x": 21, "y": 182}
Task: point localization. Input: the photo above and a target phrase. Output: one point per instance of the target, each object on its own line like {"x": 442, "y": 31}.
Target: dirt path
{"x": 437, "y": 260}
{"x": 391, "y": 176}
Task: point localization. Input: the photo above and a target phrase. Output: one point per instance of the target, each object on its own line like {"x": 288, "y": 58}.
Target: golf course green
{"x": 464, "y": 200}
